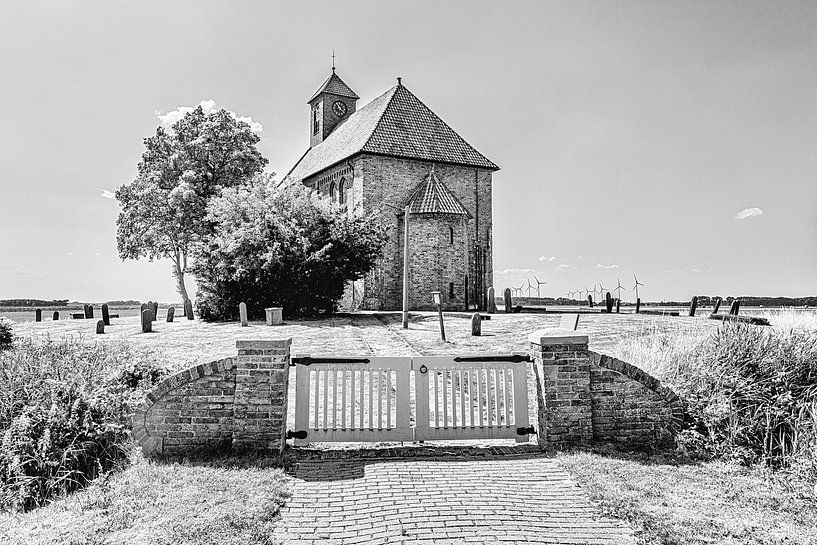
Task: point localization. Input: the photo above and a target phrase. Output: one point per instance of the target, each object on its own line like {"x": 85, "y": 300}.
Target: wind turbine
{"x": 601, "y": 292}
{"x": 619, "y": 289}
{"x": 519, "y": 289}
{"x": 570, "y": 294}
{"x": 538, "y": 285}
{"x": 635, "y": 286}
{"x": 580, "y": 291}
{"x": 530, "y": 287}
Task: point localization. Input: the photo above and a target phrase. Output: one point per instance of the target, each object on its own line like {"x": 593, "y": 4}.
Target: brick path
{"x": 523, "y": 498}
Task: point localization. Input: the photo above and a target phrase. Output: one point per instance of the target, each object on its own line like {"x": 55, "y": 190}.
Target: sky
{"x": 671, "y": 140}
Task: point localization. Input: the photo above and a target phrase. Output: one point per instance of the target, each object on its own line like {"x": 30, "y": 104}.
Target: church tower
{"x": 331, "y": 105}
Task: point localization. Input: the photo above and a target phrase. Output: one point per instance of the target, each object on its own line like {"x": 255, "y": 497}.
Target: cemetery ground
{"x": 659, "y": 497}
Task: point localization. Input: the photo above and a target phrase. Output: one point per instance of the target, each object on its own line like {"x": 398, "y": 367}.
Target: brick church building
{"x": 392, "y": 153}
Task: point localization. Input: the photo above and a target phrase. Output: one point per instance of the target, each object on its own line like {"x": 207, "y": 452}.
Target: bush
{"x": 281, "y": 247}
{"x": 6, "y": 336}
{"x": 65, "y": 409}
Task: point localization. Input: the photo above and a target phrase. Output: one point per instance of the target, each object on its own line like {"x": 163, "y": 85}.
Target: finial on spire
{"x": 399, "y": 80}
{"x": 333, "y": 61}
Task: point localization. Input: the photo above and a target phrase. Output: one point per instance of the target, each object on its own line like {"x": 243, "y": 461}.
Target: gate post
{"x": 562, "y": 372}
{"x": 261, "y": 383}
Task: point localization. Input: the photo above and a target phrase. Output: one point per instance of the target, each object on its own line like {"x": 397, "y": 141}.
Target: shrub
{"x": 6, "y": 336}
{"x": 281, "y": 247}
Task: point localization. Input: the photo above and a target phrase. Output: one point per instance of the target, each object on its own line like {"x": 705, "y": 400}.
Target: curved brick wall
{"x": 235, "y": 402}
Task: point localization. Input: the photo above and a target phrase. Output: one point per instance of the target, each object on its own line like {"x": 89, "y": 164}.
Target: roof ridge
{"x": 393, "y": 92}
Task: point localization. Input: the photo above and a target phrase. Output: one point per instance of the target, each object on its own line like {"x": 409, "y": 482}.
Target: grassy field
{"x": 667, "y": 498}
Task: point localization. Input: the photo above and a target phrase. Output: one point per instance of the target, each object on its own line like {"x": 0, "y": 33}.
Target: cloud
{"x": 550, "y": 259}
{"x": 564, "y": 267}
{"x": 69, "y": 253}
{"x": 517, "y": 271}
{"x": 107, "y": 194}
{"x": 748, "y": 213}
{"x": 696, "y": 270}
{"x": 600, "y": 266}
{"x": 209, "y": 106}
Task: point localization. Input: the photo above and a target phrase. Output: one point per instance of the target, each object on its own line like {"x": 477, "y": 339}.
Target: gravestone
{"x": 155, "y": 311}
{"x": 717, "y": 305}
{"x": 735, "y": 308}
{"x": 508, "y": 301}
{"x": 56, "y": 315}
{"x": 693, "y": 305}
{"x": 38, "y": 315}
{"x": 608, "y": 303}
{"x": 106, "y": 316}
{"x": 275, "y": 315}
{"x": 618, "y": 305}
{"x": 590, "y": 300}
{"x": 569, "y": 322}
{"x": 147, "y": 321}
{"x": 476, "y": 325}
{"x": 171, "y": 312}
{"x": 638, "y": 305}
{"x": 142, "y": 307}
{"x": 188, "y": 309}
{"x": 491, "y": 300}
{"x": 100, "y": 327}
{"x": 242, "y": 314}
{"x": 89, "y": 311}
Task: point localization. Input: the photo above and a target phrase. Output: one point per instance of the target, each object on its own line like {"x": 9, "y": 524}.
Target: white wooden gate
{"x": 479, "y": 396}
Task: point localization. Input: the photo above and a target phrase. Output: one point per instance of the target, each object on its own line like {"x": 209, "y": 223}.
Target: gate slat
{"x": 388, "y": 398}
{"x": 317, "y": 395}
{"x": 343, "y": 399}
{"x": 326, "y": 399}
{"x": 445, "y": 398}
{"x": 479, "y": 395}
{"x": 371, "y": 401}
{"x": 471, "y": 397}
{"x": 520, "y": 399}
{"x": 380, "y": 399}
{"x": 462, "y": 399}
{"x": 362, "y": 397}
{"x": 436, "y": 399}
{"x": 402, "y": 399}
{"x": 505, "y": 394}
{"x": 302, "y": 376}
{"x": 453, "y": 398}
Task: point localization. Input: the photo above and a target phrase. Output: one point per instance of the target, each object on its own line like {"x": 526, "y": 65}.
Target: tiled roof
{"x": 398, "y": 124}
{"x": 433, "y": 197}
{"x": 335, "y": 86}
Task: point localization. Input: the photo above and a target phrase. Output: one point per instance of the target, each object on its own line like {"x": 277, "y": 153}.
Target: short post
{"x": 188, "y": 309}
{"x": 147, "y": 320}
{"x": 436, "y": 297}
{"x": 508, "y": 301}
{"x": 693, "y": 305}
{"x": 106, "y": 315}
{"x": 56, "y": 315}
{"x": 717, "y": 305}
{"x": 275, "y": 315}
{"x": 608, "y": 303}
{"x": 100, "y": 327}
{"x": 405, "y": 266}
{"x": 38, "y": 315}
{"x": 491, "y": 300}
{"x": 618, "y": 305}
{"x": 476, "y": 325}
{"x": 638, "y": 305}
{"x": 171, "y": 313}
{"x": 242, "y": 314}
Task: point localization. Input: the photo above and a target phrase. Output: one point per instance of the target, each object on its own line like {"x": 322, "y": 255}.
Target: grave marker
{"x": 100, "y": 327}
{"x": 275, "y": 315}
{"x": 508, "y": 301}
{"x": 56, "y": 315}
{"x": 171, "y": 312}
{"x": 89, "y": 311}
{"x": 155, "y": 311}
{"x": 717, "y": 305}
{"x": 618, "y": 305}
{"x": 242, "y": 314}
{"x": 590, "y": 300}
{"x": 476, "y": 325}
{"x": 693, "y": 305}
{"x": 106, "y": 316}
{"x": 608, "y": 303}
{"x": 735, "y": 308}
{"x": 38, "y": 315}
{"x": 147, "y": 321}
{"x": 491, "y": 300}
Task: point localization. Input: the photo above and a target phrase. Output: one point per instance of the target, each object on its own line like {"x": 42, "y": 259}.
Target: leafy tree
{"x": 283, "y": 247}
{"x": 164, "y": 209}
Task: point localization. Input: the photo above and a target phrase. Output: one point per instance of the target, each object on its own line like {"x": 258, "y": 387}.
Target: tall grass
{"x": 64, "y": 414}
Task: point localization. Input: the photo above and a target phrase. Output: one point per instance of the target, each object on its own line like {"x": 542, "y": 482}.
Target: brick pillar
{"x": 562, "y": 372}
{"x": 261, "y": 382}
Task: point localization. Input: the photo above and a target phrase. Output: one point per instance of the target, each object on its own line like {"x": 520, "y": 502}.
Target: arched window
{"x": 332, "y": 191}
{"x": 450, "y": 235}
{"x": 342, "y": 191}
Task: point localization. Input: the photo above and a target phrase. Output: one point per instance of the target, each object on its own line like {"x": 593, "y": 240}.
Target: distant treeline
{"x": 129, "y": 302}
{"x": 703, "y": 300}
{"x": 33, "y": 303}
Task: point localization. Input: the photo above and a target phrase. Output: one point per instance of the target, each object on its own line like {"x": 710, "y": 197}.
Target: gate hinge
{"x": 308, "y": 360}
{"x": 300, "y": 434}
{"x": 526, "y": 431}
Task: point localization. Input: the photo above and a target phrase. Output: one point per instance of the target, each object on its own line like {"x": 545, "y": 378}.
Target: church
{"x": 394, "y": 153}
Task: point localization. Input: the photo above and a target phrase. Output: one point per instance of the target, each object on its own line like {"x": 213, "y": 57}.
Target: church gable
{"x": 433, "y": 197}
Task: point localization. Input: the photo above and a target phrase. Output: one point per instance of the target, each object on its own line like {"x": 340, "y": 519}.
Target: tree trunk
{"x": 178, "y": 274}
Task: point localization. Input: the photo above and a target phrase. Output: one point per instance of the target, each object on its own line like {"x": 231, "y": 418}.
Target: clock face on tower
{"x": 339, "y": 108}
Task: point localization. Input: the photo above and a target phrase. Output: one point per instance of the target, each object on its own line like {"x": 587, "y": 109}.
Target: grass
{"x": 230, "y": 501}
{"x": 673, "y": 501}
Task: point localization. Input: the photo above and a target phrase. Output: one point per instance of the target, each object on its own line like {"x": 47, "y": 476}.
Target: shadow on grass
{"x": 643, "y": 454}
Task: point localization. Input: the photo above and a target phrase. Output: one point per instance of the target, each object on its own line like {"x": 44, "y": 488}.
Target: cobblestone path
{"x": 524, "y": 498}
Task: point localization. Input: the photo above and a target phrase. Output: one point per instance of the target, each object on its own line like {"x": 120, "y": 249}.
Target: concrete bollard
{"x": 508, "y": 300}
{"x": 100, "y": 327}
{"x": 106, "y": 315}
{"x": 491, "y": 300}
{"x": 171, "y": 312}
{"x": 188, "y": 309}
{"x": 242, "y": 314}
{"x": 476, "y": 325}
{"x": 717, "y": 305}
{"x": 38, "y": 315}
{"x": 693, "y": 305}
{"x": 56, "y": 315}
{"x": 147, "y": 320}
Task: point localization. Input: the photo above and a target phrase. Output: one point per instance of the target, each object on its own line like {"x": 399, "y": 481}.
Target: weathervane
{"x": 333, "y": 60}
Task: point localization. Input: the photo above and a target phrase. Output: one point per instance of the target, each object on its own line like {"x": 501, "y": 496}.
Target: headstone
{"x": 56, "y": 315}
{"x": 155, "y": 311}
{"x": 569, "y": 322}
{"x": 77, "y": 315}
{"x": 38, "y": 315}
{"x": 618, "y": 305}
{"x": 106, "y": 316}
{"x": 735, "y": 308}
{"x": 188, "y": 309}
{"x": 171, "y": 312}
{"x": 590, "y": 300}
{"x": 89, "y": 311}
{"x": 275, "y": 315}
{"x": 638, "y": 305}
{"x": 242, "y": 314}
{"x": 147, "y": 321}
{"x": 717, "y": 305}
{"x": 100, "y": 327}
{"x": 508, "y": 301}
{"x": 693, "y": 305}
{"x": 142, "y": 307}
{"x": 476, "y": 325}
{"x": 608, "y": 302}
{"x": 491, "y": 300}
{"x": 150, "y": 308}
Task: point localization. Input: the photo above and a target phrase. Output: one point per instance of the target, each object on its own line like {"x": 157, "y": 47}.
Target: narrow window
{"x": 451, "y": 235}
{"x": 332, "y": 191}
{"x": 315, "y": 124}
{"x": 342, "y": 191}
{"x": 451, "y": 290}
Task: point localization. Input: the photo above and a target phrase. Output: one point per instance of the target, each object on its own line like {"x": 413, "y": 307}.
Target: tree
{"x": 164, "y": 209}
{"x": 283, "y": 247}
